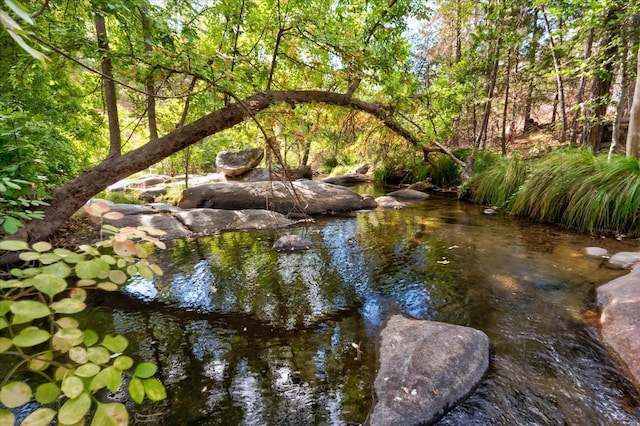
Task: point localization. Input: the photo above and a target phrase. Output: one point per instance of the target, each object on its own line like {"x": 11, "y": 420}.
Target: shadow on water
{"x": 244, "y": 335}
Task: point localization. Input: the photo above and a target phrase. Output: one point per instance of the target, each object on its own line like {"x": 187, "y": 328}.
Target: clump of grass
{"x": 126, "y": 197}
{"x": 499, "y": 179}
{"x": 443, "y": 171}
{"x": 546, "y": 192}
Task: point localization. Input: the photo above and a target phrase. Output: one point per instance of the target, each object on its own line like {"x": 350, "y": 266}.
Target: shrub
{"x": 50, "y": 358}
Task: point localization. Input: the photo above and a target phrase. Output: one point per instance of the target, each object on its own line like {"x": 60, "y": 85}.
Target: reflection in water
{"x": 244, "y": 335}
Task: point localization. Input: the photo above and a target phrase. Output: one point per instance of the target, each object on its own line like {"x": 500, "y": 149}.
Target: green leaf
{"x": 5, "y": 306}
{"x": 58, "y": 269}
{"x": 11, "y": 225}
{"x": 98, "y": 355}
{"x": 87, "y": 370}
{"x": 13, "y": 245}
{"x": 15, "y": 394}
{"x": 154, "y": 389}
{"x": 68, "y": 306}
{"x": 30, "y": 309}
{"x": 115, "y": 344}
{"x": 42, "y": 362}
{"x": 108, "y": 286}
{"x": 31, "y": 336}
{"x": 145, "y": 370}
{"x": 46, "y": 393}
{"x": 49, "y": 258}
{"x": 136, "y": 390}
{"x": 109, "y": 377}
{"x": 67, "y": 322}
{"x": 49, "y": 284}
{"x": 90, "y": 337}
{"x": 28, "y": 256}
{"x": 41, "y": 246}
{"x": 90, "y": 269}
{"x": 66, "y": 338}
{"x": 7, "y": 417}
{"x": 112, "y": 414}
{"x": 118, "y": 276}
{"x": 123, "y": 362}
{"x": 3, "y": 323}
{"x": 75, "y": 409}
{"x": 144, "y": 271}
{"x": 79, "y": 354}
{"x": 5, "y": 344}
{"x": 72, "y": 386}
{"x": 40, "y": 417}
{"x": 20, "y": 11}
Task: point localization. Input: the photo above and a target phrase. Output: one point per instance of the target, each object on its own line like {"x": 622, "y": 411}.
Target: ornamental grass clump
{"x": 496, "y": 185}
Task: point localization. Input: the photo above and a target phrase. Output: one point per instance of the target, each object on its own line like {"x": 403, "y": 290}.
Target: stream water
{"x": 244, "y": 335}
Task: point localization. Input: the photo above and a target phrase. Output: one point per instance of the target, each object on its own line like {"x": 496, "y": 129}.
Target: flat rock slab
{"x": 315, "y": 197}
{"x": 426, "y": 368}
{"x": 211, "y": 220}
{"x": 389, "y": 202}
{"x": 348, "y": 179}
{"x": 620, "y": 320}
{"x": 235, "y": 163}
{"x": 624, "y": 259}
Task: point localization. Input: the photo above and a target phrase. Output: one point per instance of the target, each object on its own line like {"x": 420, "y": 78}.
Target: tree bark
{"x": 149, "y": 86}
{"x": 491, "y": 85}
{"x": 70, "y": 197}
{"x": 556, "y": 67}
{"x": 573, "y": 132}
{"x": 621, "y": 102}
{"x": 111, "y": 100}
{"x": 633, "y": 137}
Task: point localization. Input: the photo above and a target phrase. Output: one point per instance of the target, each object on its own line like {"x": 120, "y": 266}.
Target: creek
{"x": 244, "y": 335}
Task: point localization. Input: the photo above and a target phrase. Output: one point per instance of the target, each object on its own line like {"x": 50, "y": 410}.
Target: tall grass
{"x": 570, "y": 187}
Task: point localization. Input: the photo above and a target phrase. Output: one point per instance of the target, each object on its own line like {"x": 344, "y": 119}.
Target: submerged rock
{"x": 292, "y": 243}
{"x": 388, "y": 202}
{"x": 426, "y": 368}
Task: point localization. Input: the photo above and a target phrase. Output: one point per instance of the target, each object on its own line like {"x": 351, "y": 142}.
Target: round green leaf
{"x": 41, "y": 246}
{"x": 79, "y": 294}
{"x": 115, "y": 344}
{"x": 28, "y": 256}
{"x": 85, "y": 283}
{"x": 15, "y": 394}
{"x": 78, "y": 354}
{"x": 107, "y": 286}
{"x": 74, "y": 409}
{"x": 41, "y": 362}
{"x": 90, "y": 269}
{"x": 145, "y": 370}
{"x": 118, "y": 276}
{"x": 136, "y": 390}
{"x": 5, "y": 344}
{"x": 109, "y": 259}
{"x": 90, "y": 338}
{"x": 67, "y": 322}
{"x": 72, "y": 386}
{"x": 68, "y": 306}
{"x": 31, "y": 336}
{"x": 112, "y": 414}
{"x": 144, "y": 271}
{"x": 123, "y": 362}
{"x": 49, "y": 284}
{"x": 98, "y": 355}
{"x": 73, "y": 336}
{"x": 3, "y": 323}
{"x": 30, "y": 309}
{"x": 5, "y": 306}
{"x": 13, "y": 245}
{"x": 87, "y": 370}
{"x": 40, "y": 417}
{"x": 154, "y": 389}
{"x": 49, "y": 258}
{"x": 58, "y": 269}
{"x": 46, "y": 393}
{"x": 7, "y": 417}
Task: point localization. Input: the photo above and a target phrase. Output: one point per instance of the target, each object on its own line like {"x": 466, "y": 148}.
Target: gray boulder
{"x": 292, "y": 243}
{"x": 596, "y": 251}
{"x": 140, "y": 182}
{"x": 388, "y": 202}
{"x": 423, "y": 186}
{"x": 620, "y": 320}
{"x": 624, "y": 259}
{"x": 150, "y": 194}
{"x": 212, "y": 220}
{"x": 348, "y": 179}
{"x": 236, "y": 163}
{"x": 426, "y": 368}
{"x": 408, "y": 194}
{"x": 135, "y": 215}
{"x": 314, "y": 197}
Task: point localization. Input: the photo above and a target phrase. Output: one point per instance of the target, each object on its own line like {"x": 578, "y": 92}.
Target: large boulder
{"x": 426, "y": 368}
{"x": 236, "y": 163}
{"x": 624, "y": 259}
{"x": 389, "y": 202}
{"x": 212, "y": 220}
{"x": 620, "y": 320}
{"x": 348, "y": 179}
{"x": 139, "y": 215}
{"x": 408, "y": 194}
{"x": 314, "y": 197}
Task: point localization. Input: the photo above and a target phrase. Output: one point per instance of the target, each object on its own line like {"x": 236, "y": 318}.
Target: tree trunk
{"x": 573, "y": 132}
{"x": 111, "y": 100}
{"x": 633, "y": 137}
{"x": 70, "y": 197}
{"x": 505, "y": 110}
{"x": 149, "y": 86}
{"x": 621, "y": 102}
{"x": 490, "y": 89}
{"x": 556, "y": 67}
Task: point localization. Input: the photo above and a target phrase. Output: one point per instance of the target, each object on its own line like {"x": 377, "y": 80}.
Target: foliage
{"x": 496, "y": 185}
{"x": 50, "y": 358}
{"x": 442, "y": 171}
{"x": 15, "y": 30}
{"x": 15, "y": 204}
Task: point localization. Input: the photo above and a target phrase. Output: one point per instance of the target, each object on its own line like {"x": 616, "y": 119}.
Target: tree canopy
{"x": 127, "y": 85}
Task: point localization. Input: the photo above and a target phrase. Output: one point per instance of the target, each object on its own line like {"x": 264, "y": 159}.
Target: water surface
{"x": 244, "y": 335}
